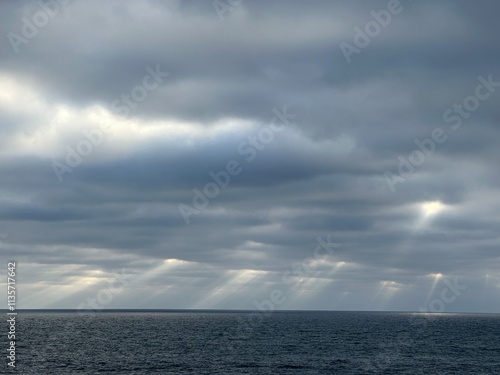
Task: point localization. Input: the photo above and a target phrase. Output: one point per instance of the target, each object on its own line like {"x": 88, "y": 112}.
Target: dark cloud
{"x": 323, "y": 173}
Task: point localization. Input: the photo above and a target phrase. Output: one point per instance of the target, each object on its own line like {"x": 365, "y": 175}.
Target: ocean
{"x": 222, "y": 342}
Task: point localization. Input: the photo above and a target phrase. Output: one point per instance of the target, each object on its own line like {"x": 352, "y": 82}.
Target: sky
{"x": 238, "y": 154}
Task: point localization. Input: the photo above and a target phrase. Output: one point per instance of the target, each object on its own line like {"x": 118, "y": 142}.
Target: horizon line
{"x": 265, "y": 312}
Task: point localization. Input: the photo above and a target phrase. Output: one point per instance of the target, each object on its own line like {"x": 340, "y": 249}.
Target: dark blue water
{"x": 248, "y": 343}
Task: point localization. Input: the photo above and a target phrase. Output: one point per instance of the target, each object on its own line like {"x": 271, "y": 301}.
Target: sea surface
{"x": 301, "y": 343}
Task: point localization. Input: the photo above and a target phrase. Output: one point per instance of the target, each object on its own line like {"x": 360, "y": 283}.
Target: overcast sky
{"x": 354, "y": 147}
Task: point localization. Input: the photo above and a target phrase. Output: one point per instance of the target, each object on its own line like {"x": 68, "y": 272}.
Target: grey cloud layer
{"x": 324, "y": 174}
